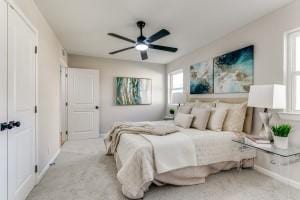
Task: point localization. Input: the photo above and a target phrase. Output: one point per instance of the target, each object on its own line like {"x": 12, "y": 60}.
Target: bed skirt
{"x": 188, "y": 175}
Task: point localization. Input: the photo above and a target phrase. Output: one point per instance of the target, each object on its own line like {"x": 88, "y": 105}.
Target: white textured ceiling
{"x": 82, "y": 25}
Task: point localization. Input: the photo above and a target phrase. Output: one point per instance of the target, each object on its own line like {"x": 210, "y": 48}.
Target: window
{"x": 175, "y": 87}
{"x": 293, "y": 71}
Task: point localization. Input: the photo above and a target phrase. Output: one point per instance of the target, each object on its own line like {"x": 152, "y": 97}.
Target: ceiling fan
{"x": 143, "y": 43}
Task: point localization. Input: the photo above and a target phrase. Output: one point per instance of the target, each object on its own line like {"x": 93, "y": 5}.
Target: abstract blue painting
{"x": 201, "y": 78}
{"x": 233, "y": 72}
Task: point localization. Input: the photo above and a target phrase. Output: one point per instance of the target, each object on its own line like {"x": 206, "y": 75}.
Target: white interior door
{"x": 3, "y": 100}
{"x": 83, "y": 103}
{"x": 21, "y": 104}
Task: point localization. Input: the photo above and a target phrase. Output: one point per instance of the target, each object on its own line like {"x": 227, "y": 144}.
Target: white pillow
{"x": 216, "y": 119}
{"x": 183, "y": 120}
{"x": 201, "y": 117}
{"x": 208, "y": 105}
{"x": 185, "y": 109}
{"x": 235, "y": 118}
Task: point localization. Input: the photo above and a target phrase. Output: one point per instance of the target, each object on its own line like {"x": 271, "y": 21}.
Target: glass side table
{"x": 286, "y": 153}
{"x": 281, "y": 158}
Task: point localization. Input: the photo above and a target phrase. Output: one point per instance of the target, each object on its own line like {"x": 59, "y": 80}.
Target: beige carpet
{"x": 83, "y": 172}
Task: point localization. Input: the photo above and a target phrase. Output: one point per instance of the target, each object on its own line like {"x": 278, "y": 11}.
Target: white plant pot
{"x": 281, "y": 142}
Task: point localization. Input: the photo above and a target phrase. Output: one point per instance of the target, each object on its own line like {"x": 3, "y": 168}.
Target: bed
{"x": 139, "y": 164}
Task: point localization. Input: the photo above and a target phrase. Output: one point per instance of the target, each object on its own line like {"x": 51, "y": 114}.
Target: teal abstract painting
{"x": 201, "y": 78}
{"x": 133, "y": 91}
{"x": 233, "y": 72}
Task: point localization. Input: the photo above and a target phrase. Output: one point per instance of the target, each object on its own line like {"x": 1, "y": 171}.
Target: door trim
{"x": 63, "y": 69}
{"x": 14, "y": 6}
{"x": 3, "y": 102}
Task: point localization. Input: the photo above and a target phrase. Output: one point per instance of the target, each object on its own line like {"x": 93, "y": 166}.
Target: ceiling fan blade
{"x": 118, "y": 51}
{"x": 163, "y": 48}
{"x": 144, "y": 55}
{"x": 160, "y": 34}
{"x": 121, "y": 37}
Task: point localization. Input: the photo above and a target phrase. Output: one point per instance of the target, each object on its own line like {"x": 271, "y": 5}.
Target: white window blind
{"x": 175, "y": 86}
{"x": 293, "y": 71}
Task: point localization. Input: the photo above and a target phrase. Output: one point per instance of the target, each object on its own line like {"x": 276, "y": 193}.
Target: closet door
{"x": 3, "y": 100}
{"x": 21, "y": 104}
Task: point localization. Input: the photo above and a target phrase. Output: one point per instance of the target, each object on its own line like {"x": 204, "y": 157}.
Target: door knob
{"x": 97, "y": 107}
{"x": 15, "y": 124}
{"x": 3, "y": 126}
{"x": 9, "y": 125}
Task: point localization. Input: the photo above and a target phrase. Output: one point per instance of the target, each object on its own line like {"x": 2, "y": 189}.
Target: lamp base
{"x": 266, "y": 131}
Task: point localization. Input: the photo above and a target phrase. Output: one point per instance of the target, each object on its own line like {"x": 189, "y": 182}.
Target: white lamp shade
{"x": 177, "y": 98}
{"x": 267, "y": 96}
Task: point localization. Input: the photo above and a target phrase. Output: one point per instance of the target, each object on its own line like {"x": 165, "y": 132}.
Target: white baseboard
{"x": 43, "y": 172}
{"x": 278, "y": 177}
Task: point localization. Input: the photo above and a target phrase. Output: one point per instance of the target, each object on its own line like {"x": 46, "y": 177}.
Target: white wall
{"x": 267, "y": 34}
{"x": 49, "y": 56}
{"x": 109, "y": 69}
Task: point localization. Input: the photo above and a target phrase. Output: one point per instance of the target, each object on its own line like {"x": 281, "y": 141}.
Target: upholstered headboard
{"x": 249, "y": 114}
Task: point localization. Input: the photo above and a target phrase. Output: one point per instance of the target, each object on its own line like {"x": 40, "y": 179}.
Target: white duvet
{"x": 172, "y": 151}
{"x": 136, "y": 156}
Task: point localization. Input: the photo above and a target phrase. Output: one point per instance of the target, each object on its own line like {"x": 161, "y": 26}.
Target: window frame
{"x": 170, "y": 84}
{"x": 291, "y": 72}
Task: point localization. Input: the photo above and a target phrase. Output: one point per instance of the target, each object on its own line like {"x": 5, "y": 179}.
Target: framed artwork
{"x": 233, "y": 72}
{"x": 201, "y": 78}
{"x": 133, "y": 91}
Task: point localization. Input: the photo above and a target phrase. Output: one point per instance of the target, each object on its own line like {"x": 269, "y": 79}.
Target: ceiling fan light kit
{"x": 141, "y": 47}
{"x": 143, "y": 43}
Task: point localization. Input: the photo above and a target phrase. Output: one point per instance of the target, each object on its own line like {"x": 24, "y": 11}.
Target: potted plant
{"x": 281, "y": 133}
{"x": 172, "y": 111}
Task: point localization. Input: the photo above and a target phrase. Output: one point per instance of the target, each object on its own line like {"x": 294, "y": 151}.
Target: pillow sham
{"x": 185, "y": 109}
{"x": 183, "y": 120}
{"x": 201, "y": 117}
{"x": 216, "y": 119}
{"x": 235, "y": 117}
{"x": 201, "y": 104}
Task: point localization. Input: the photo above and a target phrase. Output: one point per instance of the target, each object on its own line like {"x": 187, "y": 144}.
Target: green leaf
{"x": 282, "y": 130}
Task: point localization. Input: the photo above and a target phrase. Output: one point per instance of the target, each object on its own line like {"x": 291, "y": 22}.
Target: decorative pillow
{"x": 235, "y": 118}
{"x": 189, "y": 103}
{"x": 201, "y": 117}
{"x": 183, "y": 120}
{"x": 202, "y": 104}
{"x": 185, "y": 109}
{"x": 216, "y": 119}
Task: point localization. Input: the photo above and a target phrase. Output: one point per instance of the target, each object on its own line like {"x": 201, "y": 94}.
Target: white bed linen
{"x": 136, "y": 156}
{"x": 172, "y": 151}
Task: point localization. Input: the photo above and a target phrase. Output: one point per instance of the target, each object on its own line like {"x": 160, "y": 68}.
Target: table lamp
{"x": 267, "y": 97}
{"x": 177, "y": 98}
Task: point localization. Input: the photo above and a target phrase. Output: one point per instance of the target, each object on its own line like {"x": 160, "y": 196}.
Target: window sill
{"x": 293, "y": 116}
{"x": 172, "y": 105}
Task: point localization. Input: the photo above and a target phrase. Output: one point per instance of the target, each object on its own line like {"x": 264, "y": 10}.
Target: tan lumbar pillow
{"x": 183, "y": 120}
{"x": 201, "y": 117}
{"x": 216, "y": 119}
{"x": 235, "y": 117}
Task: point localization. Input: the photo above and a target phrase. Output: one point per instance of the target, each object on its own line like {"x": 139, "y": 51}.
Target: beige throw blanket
{"x": 171, "y": 152}
{"x": 148, "y": 128}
